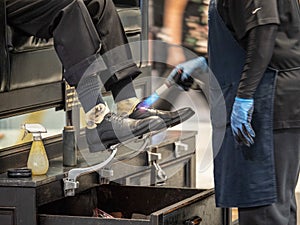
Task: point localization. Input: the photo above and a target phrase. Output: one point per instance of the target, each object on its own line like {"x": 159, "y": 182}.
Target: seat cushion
{"x": 20, "y": 42}
{"x": 33, "y": 68}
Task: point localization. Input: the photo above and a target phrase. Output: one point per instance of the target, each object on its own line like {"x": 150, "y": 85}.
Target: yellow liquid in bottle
{"x": 38, "y": 160}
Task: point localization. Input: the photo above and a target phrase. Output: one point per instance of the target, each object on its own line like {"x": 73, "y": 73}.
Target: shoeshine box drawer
{"x": 134, "y": 205}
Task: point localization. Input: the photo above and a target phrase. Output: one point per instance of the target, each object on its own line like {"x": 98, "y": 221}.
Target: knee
{"x": 100, "y": 9}
{"x": 109, "y": 3}
{"x": 106, "y": 4}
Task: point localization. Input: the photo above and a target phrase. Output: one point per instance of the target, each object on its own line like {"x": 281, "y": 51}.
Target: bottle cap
{"x": 68, "y": 128}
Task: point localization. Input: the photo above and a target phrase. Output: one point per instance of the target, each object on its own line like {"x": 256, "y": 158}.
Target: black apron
{"x": 244, "y": 177}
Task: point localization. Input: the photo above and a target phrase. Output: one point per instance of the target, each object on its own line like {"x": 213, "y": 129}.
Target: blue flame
{"x": 149, "y": 100}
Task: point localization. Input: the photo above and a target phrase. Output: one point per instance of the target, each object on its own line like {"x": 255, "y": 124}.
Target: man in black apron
{"x": 86, "y": 34}
{"x": 254, "y": 53}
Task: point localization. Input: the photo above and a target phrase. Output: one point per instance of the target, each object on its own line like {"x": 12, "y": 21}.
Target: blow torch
{"x": 181, "y": 75}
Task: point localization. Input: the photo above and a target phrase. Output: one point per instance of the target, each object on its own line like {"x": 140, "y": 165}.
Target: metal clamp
{"x": 70, "y": 186}
{"x": 161, "y": 176}
{"x": 179, "y": 147}
{"x": 105, "y": 175}
{"x": 158, "y": 175}
{"x": 106, "y": 172}
{"x": 153, "y": 157}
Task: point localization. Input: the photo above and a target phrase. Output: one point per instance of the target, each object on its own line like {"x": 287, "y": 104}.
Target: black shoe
{"x": 115, "y": 129}
{"x": 170, "y": 118}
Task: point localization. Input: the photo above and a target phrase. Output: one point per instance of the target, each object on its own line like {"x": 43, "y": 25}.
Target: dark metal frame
{"x": 4, "y": 69}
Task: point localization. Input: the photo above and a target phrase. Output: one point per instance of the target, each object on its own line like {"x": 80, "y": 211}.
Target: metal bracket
{"x": 158, "y": 175}
{"x": 106, "y": 172}
{"x": 105, "y": 175}
{"x": 161, "y": 176}
{"x": 153, "y": 157}
{"x": 179, "y": 147}
{"x": 70, "y": 186}
{"x": 71, "y": 183}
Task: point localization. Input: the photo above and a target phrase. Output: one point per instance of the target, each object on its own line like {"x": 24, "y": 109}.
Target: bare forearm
{"x": 173, "y": 15}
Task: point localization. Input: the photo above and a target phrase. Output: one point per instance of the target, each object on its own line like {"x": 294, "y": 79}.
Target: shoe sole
{"x": 180, "y": 119}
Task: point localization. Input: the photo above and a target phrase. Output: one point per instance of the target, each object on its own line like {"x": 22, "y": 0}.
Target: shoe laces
{"x": 117, "y": 119}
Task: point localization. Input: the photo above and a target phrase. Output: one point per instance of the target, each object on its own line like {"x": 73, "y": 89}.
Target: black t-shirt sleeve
{"x": 247, "y": 14}
{"x": 254, "y": 24}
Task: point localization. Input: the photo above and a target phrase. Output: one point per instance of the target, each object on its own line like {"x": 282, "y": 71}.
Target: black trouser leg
{"x": 77, "y": 39}
{"x": 68, "y": 22}
{"x": 287, "y": 161}
{"x": 109, "y": 28}
{"x": 115, "y": 49}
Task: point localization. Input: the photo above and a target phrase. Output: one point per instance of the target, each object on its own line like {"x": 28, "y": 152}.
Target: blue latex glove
{"x": 181, "y": 74}
{"x": 241, "y": 117}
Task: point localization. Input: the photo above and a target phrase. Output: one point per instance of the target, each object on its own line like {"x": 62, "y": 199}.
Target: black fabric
{"x": 284, "y": 211}
{"x": 244, "y": 177}
{"x": 287, "y": 104}
{"x": 260, "y": 45}
{"x": 81, "y": 30}
{"x": 123, "y": 90}
{"x": 89, "y": 92}
{"x": 240, "y": 173}
{"x": 287, "y": 47}
{"x": 241, "y": 17}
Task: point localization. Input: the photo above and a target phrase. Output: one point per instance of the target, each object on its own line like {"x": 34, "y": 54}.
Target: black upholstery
{"x": 31, "y": 61}
{"x": 27, "y": 62}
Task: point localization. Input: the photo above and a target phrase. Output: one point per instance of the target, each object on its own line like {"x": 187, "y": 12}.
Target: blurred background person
{"x": 181, "y": 24}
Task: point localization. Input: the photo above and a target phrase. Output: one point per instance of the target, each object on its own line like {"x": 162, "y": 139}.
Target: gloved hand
{"x": 181, "y": 74}
{"x": 241, "y": 117}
